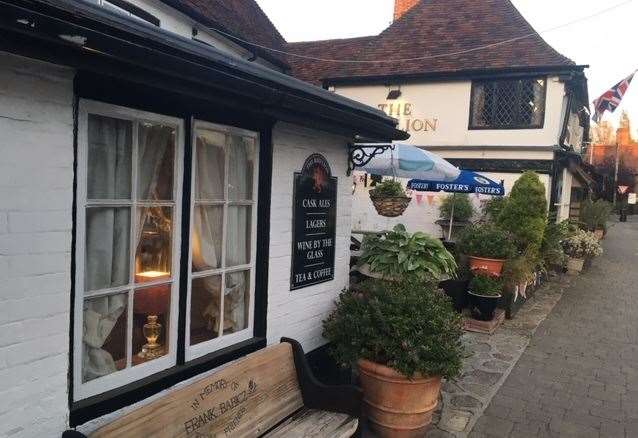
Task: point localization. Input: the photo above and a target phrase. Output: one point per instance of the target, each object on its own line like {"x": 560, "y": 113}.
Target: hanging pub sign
{"x": 314, "y": 223}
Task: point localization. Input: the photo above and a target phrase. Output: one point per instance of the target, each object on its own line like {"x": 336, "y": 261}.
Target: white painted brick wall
{"x": 36, "y": 179}
{"x": 298, "y": 314}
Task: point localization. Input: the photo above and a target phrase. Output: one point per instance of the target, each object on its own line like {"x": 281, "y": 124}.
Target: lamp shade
{"x": 153, "y": 300}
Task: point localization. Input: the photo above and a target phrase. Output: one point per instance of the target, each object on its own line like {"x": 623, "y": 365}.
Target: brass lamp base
{"x": 152, "y": 330}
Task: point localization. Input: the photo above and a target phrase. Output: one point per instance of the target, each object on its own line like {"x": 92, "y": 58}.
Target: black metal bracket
{"x": 360, "y": 154}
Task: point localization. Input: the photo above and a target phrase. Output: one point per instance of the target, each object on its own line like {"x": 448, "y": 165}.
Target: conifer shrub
{"x": 525, "y": 213}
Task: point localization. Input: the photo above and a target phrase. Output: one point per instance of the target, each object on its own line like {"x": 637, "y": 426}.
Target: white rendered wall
{"x": 299, "y": 314}
{"x": 449, "y": 104}
{"x": 36, "y": 195}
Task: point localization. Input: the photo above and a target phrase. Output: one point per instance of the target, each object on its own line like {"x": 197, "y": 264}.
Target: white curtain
{"x": 155, "y": 182}
{"x": 208, "y": 220}
{"x": 107, "y": 239}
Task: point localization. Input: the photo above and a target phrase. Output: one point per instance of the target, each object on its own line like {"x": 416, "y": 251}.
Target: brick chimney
{"x": 403, "y": 6}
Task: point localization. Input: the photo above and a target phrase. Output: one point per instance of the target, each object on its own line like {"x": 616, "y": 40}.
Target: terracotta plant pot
{"x": 397, "y": 407}
{"x": 574, "y": 266}
{"x": 599, "y": 233}
{"x": 490, "y": 266}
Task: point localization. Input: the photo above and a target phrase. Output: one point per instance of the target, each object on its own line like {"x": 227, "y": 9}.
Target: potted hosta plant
{"x": 404, "y": 337}
{"x": 578, "y": 247}
{"x": 485, "y": 291}
{"x": 398, "y": 254}
{"x": 389, "y": 199}
{"x": 487, "y": 247}
{"x": 460, "y": 208}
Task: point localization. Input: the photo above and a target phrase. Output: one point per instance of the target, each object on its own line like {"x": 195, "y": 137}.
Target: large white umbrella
{"x": 407, "y": 161}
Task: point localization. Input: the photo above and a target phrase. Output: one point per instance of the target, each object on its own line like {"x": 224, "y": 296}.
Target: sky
{"x": 607, "y": 43}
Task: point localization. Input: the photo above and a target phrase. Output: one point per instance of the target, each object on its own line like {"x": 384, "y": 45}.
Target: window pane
{"x": 241, "y": 162}
{"x": 207, "y": 237}
{"x": 205, "y": 308}
{"x": 508, "y": 103}
{"x": 151, "y": 316}
{"x": 153, "y": 257}
{"x": 209, "y": 163}
{"x": 155, "y": 160}
{"x": 109, "y": 158}
{"x": 236, "y": 301}
{"x": 107, "y": 247}
{"x": 238, "y": 235}
{"x": 104, "y": 336}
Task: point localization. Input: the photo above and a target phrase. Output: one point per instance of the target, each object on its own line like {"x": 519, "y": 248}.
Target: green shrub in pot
{"x": 463, "y": 208}
{"x": 493, "y": 207}
{"x": 404, "y": 337}
{"x": 486, "y": 241}
{"x": 408, "y": 326}
{"x": 486, "y": 285}
{"x": 595, "y": 214}
{"x": 398, "y": 254}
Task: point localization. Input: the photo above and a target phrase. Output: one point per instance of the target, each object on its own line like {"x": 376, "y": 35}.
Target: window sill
{"x": 102, "y": 404}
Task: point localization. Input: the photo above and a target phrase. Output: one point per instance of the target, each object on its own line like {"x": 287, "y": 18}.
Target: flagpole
{"x": 616, "y": 172}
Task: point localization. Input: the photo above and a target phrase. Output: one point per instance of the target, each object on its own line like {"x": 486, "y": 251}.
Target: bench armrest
{"x": 345, "y": 399}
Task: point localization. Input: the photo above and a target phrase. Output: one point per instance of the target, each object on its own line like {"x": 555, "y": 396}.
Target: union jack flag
{"x": 610, "y": 100}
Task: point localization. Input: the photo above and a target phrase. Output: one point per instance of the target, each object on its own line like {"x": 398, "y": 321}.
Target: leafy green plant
{"x": 493, "y": 207}
{"x": 520, "y": 269}
{"x": 582, "y": 244}
{"x": 486, "y": 240}
{"x": 407, "y": 326}
{"x": 487, "y": 285}
{"x": 525, "y": 213}
{"x": 400, "y": 254}
{"x": 595, "y": 214}
{"x": 387, "y": 189}
{"x": 463, "y": 208}
{"x": 551, "y": 250}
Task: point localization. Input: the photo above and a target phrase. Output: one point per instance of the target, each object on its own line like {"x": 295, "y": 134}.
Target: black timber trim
{"x": 122, "y": 47}
{"x": 76, "y": 107}
{"x": 473, "y": 127}
{"x": 456, "y": 75}
{"x": 345, "y": 399}
{"x": 503, "y": 165}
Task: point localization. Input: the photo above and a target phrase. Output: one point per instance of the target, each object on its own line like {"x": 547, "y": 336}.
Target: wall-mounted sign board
{"x": 314, "y": 223}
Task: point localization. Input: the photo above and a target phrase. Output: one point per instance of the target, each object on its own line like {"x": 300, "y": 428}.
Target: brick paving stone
{"x": 578, "y": 376}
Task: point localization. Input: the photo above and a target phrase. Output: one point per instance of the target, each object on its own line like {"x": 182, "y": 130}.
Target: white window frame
{"x": 130, "y": 373}
{"x": 222, "y": 341}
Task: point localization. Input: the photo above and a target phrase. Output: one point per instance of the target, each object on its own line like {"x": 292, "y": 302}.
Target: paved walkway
{"x": 579, "y": 375}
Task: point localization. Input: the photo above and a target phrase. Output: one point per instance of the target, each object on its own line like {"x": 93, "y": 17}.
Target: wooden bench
{"x": 270, "y": 393}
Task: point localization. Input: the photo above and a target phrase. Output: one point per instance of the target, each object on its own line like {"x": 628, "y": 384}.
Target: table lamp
{"x": 152, "y": 302}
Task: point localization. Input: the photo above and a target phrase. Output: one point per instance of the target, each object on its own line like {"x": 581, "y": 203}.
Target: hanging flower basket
{"x": 390, "y": 206}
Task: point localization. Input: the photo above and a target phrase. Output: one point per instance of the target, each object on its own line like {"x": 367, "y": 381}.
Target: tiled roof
{"x": 243, "y": 19}
{"x": 430, "y": 28}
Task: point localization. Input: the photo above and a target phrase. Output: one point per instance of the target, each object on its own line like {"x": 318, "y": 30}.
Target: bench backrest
{"x": 246, "y": 398}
